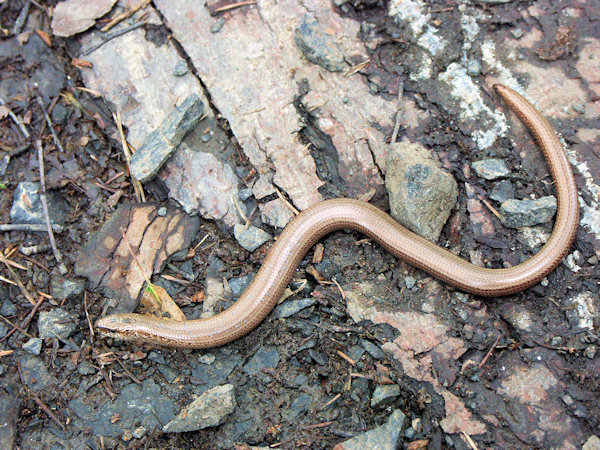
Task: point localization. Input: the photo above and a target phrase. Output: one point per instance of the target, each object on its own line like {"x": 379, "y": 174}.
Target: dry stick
{"x": 137, "y": 186}
{"x": 16, "y": 120}
{"x": 55, "y": 250}
{"x": 235, "y": 5}
{"x": 484, "y": 360}
{"x": 87, "y": 316}
{"x": 27, "y": 320}
{"x": 16, "y": 279}
{"x": 398, "y": 113}
{"x": 16, "y": 327}
{"x": 50, "y": 124}
{"x": 108, "y": 37}
{"x": 33, "y": 227}
{"x": 124, "y": 15}
{"x": 21, "y": 19}
{"x": 134, "y": 256}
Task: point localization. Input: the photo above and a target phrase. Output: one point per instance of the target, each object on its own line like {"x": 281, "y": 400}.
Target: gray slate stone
{"x": 383, "y": 394}
{"x": 163, "y": 141}
{"x": 291, "y": 307}
{"x": 490, "y": 168}
{"x": 36, "y": 375}
{"x": 27, "y": 205}
{"x": 207, "y": 376}
{"x": 263, "y": 358}
{"x": 33, "y": 346}
{"x": 526, "y": 213}
{"x": 317, "y": 46}
{"x": 384, "y": 437}
{"x": 66, "y": 288}
{"x": 421, "y": 194}
{"x": 502, "y": 191}
{"x": 57, "y": 322}
{"x": 9, "y": 412}
{"x": 239, "y": 284}
{"x": 372, "y": 349}
{"x": 593, "y": 443}
{"x": 208, "y": 410}
{"x": 250, "y": 238}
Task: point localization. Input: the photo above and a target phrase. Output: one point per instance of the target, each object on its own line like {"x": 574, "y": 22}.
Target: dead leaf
{"x": 23, "y": 37}
{"x": 81, "y": 63}
{"x": 199, "y": 296}
{"x": 27, "y": 117}
{"x": 45, "y": 37}
{"x": 415, "y": 445}
{"x": 4, "y": 110}
{"x": 163, "y": 306}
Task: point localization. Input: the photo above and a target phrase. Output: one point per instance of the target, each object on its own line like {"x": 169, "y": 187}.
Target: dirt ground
{"x": 366, "y": 351}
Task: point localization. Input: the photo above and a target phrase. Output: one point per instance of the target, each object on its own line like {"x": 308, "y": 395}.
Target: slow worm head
{"x": 307, "y": 228}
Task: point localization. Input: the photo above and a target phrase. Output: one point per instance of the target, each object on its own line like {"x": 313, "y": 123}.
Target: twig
{"x": 135, "y": 258}
{"x": 49, "y": 122}
{"x": 235, "y": 5}
{"x": 129, "y": 374}
{"x": 137, "y": 186}
{"x": 288, "y": 204}
{"x": 55, "y": 250}
{"x": 33, "y": 227}
{"x": 87, "y": 315}
{"x": 346, "y": 357}
{"x": 124, "y": 15}
{"x": 469, "y": 440}
{"x": 398, "y": 113}
{"x": 491, "y": 208}
{"x": 33, "y": 249}
{"x": 21, "y": 19}
{"x": 47, "y": 410}
{"x": 357, "y": 68}
{"x": 331, "y": 401}
{"x": 16, "y": 327}
{"x": 16, "y": 279}
{"x": 27, "y": 320}
{"x": 484, "y": 360}
{"x": 113, "y": 35}
{"x": 16, "y": 119}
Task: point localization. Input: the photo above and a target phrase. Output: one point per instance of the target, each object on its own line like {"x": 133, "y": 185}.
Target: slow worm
{"x": 307, "y": 228}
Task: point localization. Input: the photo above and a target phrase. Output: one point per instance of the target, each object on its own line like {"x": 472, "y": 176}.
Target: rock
{"x": 590, "y": 351}
{"x": 421, "y": 194}
{"x": 208, "y": 410}
{"x": 527, "y": 213}
{"x": 291, "y": 307}
{"x": 207, "y": 376}
{"x": 105, "y": 258}
{"x": 33, "y": 346}
{"x": 317, "y": 46}
{"x": 180, "y": 69}
{"x": 168, "y": 372}
{"x": 59, "y": 114}
{"x": 300, "y": 405}
{"x": 3, "y": 329}
{"x": 383, "y": 437}
{"x": 207, "y": 358}
{"x": 57, "y": 322}
{"x": 157, "y": 357}
{"x": 239, "y": 284}
{"x": 27, "y": 205}
{"x": 474, "y": 67}
{"x": 581, "y": 309}
{"x": 85, "y": 368}
{"x": 265, "y": 357}
{"x": 163, "y": 141}
{"x": 490, "y": 168}
{"x": 9, "y": 412}
{"x": 74, "y": 16}
{"x": 372, "y": 349}
{"x": 502, "y": 191}
{"x": 245, "y": 194}
{"x": 8, "y": 308}
{"x": 383, "y": 394}
{"x": 250, "y": 238}
{"x": 62, "y": 288}
{"x": 275, "y": 213}
{"x": 533, "y": 237}
{"x": 36, "y": 376}
{"x": 572, "y": 261}
{"x": 593, "y": 443}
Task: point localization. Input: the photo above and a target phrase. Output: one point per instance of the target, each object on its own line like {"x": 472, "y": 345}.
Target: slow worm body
{"x": 307, "y": 228}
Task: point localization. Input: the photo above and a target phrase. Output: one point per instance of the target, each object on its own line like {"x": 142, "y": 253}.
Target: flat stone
{"x": 9, "y": 413}
{"x": 36, "y": 375}
{"x": 259, "y": 104}
{"x": 62, "y": 288}
{"x": 372, "y": 349}
{"x": 239, "y": 284}
{"x": 527, "y": 213}
{"x": 250, "y": 238}
{"x": 27, "y": 205}
{"x": 206, "y": 376}
{"x": 593, "y": 443}
{"x": 384, "y": 394}
{"x": 163, "y": 141}
{"x": 317, "y": 46}
{"x": 105, "y": 260}
{"x": 299, "y": 406}
{"x": 490, "y": 168}
{"x": 33, "y": 346}
{"x": 265, "y": 357}
{"x": 384, "y": 437}
{"x": 581, "y": 309}
{"x": 275, "y": 213}
{"x": 502, "y": 191}
{"x": 291, "y": 307}
{"x": 421, "y": 194}
{"x": 74, "y": 16}
{"x": 57, "y": 322}
{"x": 209, "y": 410}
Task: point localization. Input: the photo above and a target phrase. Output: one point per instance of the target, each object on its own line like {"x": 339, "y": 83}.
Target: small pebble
{"x": 556, "y": 341}
{"x": 33, "y": 346}
{"x": 579, "y": 108}
{"x": 162, "y": 211}
{"x": 474, "y": 67}
{"x": 590, "y": 351}
{"x": 207, "y": 358}
{"x": 218, "y": 25}
{"x": 245, "y": 194}
{"x": 139, "y": 432}
{"x": 517, "y": 33}
{"x": 180, "y": 69}
{"x": 410, "y": 282}
{"x": 544, "y": 282}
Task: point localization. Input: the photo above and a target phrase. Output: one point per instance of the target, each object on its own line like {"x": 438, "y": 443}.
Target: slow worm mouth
{"x": 263, "y": 293}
